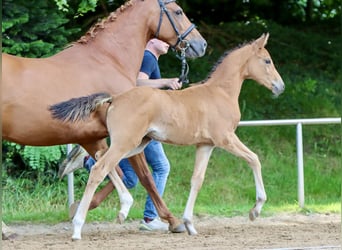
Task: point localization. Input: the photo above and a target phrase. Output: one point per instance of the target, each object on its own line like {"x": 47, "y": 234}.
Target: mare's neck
{"x": 121, "y": 43}
{"x": 231, "y": 72}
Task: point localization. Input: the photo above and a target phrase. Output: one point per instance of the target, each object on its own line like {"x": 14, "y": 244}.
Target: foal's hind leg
{"x": 202, "y": 157}
{"x": 236, "y": 147}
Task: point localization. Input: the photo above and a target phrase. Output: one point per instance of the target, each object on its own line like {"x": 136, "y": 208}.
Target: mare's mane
{"x": 100, "y": 25}
{"x": 220, "y": 60}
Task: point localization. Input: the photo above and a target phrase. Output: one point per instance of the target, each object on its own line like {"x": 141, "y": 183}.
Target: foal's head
{"x": 261, "y": 68}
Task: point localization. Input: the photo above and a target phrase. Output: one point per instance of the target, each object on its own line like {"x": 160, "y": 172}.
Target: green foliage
{"x": 62, "y": 5}
{"x": 42, "y": 158}
{"x": 34, "y": 30}
{"x": 84, "y": 6}
{"x": 17, "y": 158}
{"x": 87, "y": 5}
{"x": 287, "y": 12}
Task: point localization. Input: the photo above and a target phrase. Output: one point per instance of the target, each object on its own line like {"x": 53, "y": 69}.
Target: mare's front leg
{"x": 203, "y": 154}
{"x": 236, "y": 147}
{"x": 141, "y": 169}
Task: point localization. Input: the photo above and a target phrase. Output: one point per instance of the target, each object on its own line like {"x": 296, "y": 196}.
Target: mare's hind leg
{"x": 236, "y": 147}
{"x": 202, "y": 157}
{"x": 141, "y": 169}
{"x": 96, "y": 149}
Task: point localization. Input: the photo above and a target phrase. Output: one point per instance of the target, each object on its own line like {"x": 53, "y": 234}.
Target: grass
{"x": 228, "y": 189}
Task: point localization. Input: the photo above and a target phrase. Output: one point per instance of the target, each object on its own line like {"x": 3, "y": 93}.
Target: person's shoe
{"x": 73, "y": 161}
{"x": 153, "y": 225}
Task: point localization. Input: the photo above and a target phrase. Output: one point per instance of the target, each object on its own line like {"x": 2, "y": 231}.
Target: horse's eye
{"x": 179, "y": 12}
{"x": 267, "y": 61}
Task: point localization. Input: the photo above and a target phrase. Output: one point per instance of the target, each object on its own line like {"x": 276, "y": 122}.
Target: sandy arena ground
{"x": 285, "y": 231}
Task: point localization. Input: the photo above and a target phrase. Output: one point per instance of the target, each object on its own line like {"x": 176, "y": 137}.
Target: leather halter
{"x": 181, "y": 37}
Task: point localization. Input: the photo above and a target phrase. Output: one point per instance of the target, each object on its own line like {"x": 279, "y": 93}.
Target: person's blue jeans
{"x": 160, "y": 165}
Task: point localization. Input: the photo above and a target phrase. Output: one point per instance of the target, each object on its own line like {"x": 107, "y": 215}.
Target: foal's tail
{"x": 79, "y": 108}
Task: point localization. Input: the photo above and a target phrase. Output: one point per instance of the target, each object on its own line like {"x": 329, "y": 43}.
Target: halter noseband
{"x": 181, "y": 37}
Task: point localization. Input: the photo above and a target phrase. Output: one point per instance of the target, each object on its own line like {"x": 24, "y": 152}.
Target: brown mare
{"x": 107, "y": 59}
{"x": 205, "y": 115}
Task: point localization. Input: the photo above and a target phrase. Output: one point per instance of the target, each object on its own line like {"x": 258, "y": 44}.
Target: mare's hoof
{"x": 178, "y": 229}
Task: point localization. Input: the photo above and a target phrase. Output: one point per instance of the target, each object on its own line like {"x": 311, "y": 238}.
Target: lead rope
{"x": 183, "y": 78}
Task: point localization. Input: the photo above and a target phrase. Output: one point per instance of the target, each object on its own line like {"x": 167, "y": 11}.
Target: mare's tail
{"x": 79, "y": 108}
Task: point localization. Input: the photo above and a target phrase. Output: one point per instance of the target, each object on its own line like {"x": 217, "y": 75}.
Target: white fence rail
{"x": 299, "y": 144}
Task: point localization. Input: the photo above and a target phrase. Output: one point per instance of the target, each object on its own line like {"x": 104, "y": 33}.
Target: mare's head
{"x": 261, "y": 68}
{"x": 173, "y": 26}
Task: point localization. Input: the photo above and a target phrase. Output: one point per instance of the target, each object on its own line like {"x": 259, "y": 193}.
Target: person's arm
{"x": 172, "y": 83}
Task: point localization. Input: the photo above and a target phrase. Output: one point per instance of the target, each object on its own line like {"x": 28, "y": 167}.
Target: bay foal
{"x": 205, "y": 115}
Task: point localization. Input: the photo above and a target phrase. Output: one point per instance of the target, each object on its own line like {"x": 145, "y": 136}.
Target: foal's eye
{"x": 179, "y": 12}
{"x": 267, "y": 61}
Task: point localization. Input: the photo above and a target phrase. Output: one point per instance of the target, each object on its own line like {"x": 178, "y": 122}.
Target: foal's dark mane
{"x": 100, "y": 25}
{"x": 220, "y": 60}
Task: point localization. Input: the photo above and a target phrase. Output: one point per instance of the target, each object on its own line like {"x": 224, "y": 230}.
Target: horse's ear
{"x": 262, "y": 41}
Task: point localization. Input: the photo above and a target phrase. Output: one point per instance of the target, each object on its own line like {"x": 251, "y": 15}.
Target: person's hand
{"x": 173, "y": 83}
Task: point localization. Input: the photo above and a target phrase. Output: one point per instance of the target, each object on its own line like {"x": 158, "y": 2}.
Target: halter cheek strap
{"x": 163, "y": 9}
{"x": 181, "y": 42}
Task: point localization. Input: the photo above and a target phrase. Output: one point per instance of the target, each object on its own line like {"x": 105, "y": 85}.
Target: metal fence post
{"x": 300, "y": 164}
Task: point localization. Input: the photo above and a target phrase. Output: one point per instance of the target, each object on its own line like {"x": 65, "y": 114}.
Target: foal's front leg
{"x": 203, "y": 154}
{"x": 7, "y": 233}
{"x": 93, "y": 182}
{"x": 236, "y": 147}
{"x": 96, "y": 176}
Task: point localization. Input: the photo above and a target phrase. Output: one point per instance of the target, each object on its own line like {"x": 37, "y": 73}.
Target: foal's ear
{"x": 262, "y": 41}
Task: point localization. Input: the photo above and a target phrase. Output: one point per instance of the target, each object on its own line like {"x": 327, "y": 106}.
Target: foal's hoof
{"x": 253, "y": 214}
{"x": 10, "y": 236}
{"x": 121, "y": 218}
{"x": 190, "y": 227}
